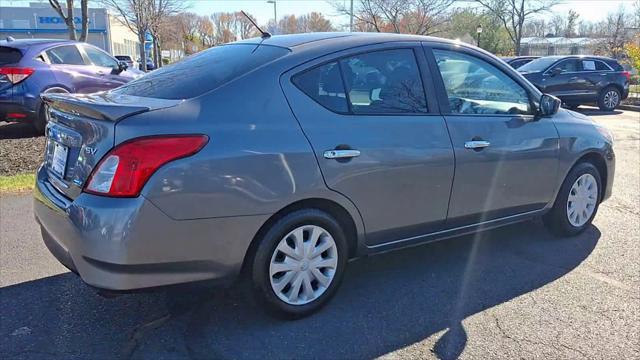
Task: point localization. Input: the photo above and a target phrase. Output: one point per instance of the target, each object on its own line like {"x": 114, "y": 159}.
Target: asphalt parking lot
{"x": 515, "y": 292}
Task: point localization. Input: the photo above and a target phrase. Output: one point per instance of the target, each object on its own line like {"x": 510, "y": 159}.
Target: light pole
{"x": 479, "y": 31}
{"x": 351, "y": 18}
{"x": 275, "y": 15}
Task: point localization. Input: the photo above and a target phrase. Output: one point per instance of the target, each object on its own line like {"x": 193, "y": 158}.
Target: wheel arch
{"x": 339, "y": 212}
{"x": 596, "y": 159}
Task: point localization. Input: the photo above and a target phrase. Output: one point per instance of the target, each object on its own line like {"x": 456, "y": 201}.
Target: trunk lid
{"x": 81, "y": 130}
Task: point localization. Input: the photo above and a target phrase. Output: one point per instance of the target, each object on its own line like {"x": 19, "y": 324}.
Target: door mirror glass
{"x": 549, "y": 105}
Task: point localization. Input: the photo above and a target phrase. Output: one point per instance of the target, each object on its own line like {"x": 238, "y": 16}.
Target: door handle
{"x": 341, "y": 154}
{"x": 476, "y": 144}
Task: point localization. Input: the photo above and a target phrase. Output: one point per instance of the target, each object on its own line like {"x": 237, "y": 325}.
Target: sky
{"x": 591, "y": 10}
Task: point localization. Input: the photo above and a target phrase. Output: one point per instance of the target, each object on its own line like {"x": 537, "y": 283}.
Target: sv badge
{"x": 90, "y": 150}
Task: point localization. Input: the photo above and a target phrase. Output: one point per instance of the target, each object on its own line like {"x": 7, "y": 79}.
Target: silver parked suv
{"x": 286, "y": 156}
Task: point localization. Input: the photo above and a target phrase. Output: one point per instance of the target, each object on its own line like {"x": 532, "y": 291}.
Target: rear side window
{"x": 9, "y": 55}
{"x": 67, "y": 54}
{"x": 384, "y": 82}
{"x": 324, "y": 84}
{"x": 600, "y": 66}
{"x": 202, "y": 72}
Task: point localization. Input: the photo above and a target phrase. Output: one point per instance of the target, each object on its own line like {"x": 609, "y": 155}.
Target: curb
{"x": 629, "y": 107}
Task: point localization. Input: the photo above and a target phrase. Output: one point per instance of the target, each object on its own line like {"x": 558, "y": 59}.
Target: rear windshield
{"x": 202, "y": 72}
{"x": 9, "y": 55}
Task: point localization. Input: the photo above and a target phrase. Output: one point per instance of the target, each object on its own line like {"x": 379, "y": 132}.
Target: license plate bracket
{"x": 59, "y": 159}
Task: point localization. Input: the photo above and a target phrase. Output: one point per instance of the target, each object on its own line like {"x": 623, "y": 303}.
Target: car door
{"x": 377, "y": 139}
{"x": 565, "y": 80}
{"x": 506, "y": 159}
{"x": 597, "y": 75}
{"x": 71, "y": 70}
{"x": 105, "y": 67}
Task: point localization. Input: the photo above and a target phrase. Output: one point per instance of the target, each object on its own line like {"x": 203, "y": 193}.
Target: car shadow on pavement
{"x": 386, "y": 303}
{"x": 17, "y": 131}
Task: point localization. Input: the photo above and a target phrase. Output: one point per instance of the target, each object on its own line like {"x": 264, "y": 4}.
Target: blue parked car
{"x": 30, "y": 67}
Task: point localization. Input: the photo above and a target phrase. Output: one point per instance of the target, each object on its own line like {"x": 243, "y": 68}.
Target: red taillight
{"x": 125, "y": 169}
{"x": 16, "y": 74}
{"x": 627, "y": 75}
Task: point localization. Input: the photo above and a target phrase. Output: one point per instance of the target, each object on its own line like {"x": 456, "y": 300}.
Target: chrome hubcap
{"x": 611, "y": 99}
{"x": 582, "y": 200}
{"x": 303, "y": 265}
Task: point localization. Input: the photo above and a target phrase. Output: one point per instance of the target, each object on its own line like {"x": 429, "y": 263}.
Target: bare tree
{"x": 423, "y": 17}
{"x": 137, "y": 16}
{"x": 314, "y": 22}
{"x": 244, "y": 29}
{"x": 66, "y": 13}
{"x": 513, "y": 15}
{"x": 224, "y": 24}
{"x": 571, "y": 24}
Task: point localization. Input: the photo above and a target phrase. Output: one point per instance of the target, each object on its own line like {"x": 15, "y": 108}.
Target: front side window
{"x": 384, "y": 82}
{"x": 324, "y": 85}
{"x": 67, "y": 55}
{"x": 100, "y": 58}
{"x": 565, "y": 66}
{"x": 475, "y": 87}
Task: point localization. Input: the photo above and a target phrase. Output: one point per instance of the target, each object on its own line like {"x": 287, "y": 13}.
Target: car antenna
{"x": 265, "y": 34}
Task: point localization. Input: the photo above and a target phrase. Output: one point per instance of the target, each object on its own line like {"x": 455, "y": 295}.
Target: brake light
{"x": 124, "y": 171}
{"x": 16, "y": 74}
{"x": 627, "y": 75}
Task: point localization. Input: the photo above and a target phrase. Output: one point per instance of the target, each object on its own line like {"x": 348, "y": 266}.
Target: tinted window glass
{"x": 9, "y": 55}
{"x": 384, "y": 82}
{"x": 600, "y": 66}
{"x": 540, "y": 64}
{"x": 67, "y": 54}
{"x": 100, "y": 58}
{"x": 476, "y": 87}
{"x": 324, "y": 85}
{"x": 202, "y": 72}
{"x": 567, "y": 66}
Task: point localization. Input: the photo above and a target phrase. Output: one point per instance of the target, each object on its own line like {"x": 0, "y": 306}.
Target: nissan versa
{"x": 284, "y": 157}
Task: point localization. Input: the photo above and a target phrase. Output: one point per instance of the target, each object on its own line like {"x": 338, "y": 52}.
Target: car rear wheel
{"x": 577, "y": 202}
{"x": 299, "y": 263}
{"x": 609, "y": 99}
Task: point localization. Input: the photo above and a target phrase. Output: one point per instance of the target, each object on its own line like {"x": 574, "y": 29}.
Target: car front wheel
{"x": 577, "y": 201}
{"x": 299, "y": 263}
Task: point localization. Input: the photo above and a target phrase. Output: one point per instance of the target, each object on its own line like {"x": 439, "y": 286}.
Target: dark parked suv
{"x": 578, "y": 80}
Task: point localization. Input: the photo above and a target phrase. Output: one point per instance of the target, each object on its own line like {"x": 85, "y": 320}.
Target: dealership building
{"x": 39, "y": 20}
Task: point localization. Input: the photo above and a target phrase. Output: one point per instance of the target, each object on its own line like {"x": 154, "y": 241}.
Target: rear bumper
{"x": 129, "y": 244}
{"x": 8, "y": 107}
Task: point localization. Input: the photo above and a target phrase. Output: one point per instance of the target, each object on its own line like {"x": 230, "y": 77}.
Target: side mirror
{"x": 556, "y": 71}
{"x": 122, "y": 66}
{"x": 548, "y": 106}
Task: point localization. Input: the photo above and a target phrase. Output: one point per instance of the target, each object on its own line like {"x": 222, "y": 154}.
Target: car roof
{"x": 308, "y": 40}
{"x": 26, "y": 43}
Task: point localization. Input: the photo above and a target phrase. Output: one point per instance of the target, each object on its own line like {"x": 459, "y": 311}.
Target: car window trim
{"x": 441, "y": 91}
{"x": 365, "y": 49}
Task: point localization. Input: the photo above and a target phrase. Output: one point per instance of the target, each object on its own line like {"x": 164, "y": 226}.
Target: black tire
{"x": 557, "y": 219}
{"x": 40, "y": 121}
{"x": 609, "y": 91}
{"x": 260, "y": 275}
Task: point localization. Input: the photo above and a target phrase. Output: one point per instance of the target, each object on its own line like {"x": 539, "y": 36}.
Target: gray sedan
{"x": 284, "y": 157}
